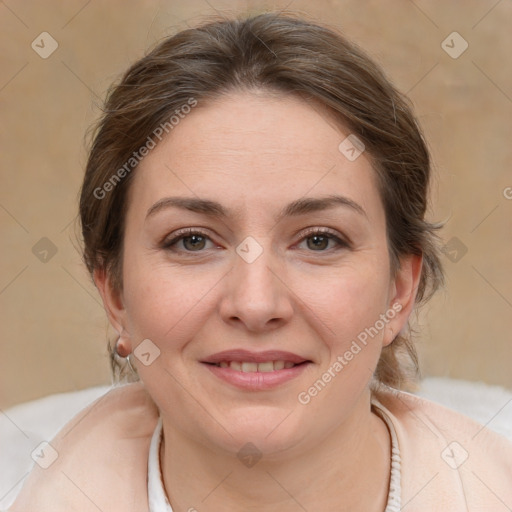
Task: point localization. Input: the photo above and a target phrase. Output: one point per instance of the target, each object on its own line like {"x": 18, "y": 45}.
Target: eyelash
{"x": 188, "y": 232}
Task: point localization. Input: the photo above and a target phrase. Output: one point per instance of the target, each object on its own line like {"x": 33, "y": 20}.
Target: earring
{"x": 120, "y": 349}
{"x": 122, "y": 352}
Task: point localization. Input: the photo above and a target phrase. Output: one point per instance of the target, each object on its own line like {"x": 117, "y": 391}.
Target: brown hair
{"x": 273, "y": 52}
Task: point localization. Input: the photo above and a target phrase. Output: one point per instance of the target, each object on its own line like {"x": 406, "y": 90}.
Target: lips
{"x": 244, "y": 360}
{"x": 256, "y": 371}
{"x": 251, "y": 367}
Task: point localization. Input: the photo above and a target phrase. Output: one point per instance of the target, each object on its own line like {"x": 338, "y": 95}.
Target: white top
{"x": 158, "y": 501}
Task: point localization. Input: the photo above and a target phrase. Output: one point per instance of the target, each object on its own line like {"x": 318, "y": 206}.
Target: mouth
{"x": 256, "y": 371}
{"x": 253, "y": 367}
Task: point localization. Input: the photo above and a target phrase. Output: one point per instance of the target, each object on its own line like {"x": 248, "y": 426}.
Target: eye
{"x": 193, "y": 241}
{"x": 318, "y": 240}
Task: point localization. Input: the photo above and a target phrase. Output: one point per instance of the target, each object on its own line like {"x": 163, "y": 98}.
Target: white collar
{"x": 157, "y": 499}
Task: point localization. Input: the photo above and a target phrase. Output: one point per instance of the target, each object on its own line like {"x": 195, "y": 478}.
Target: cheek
{"x": 162, "y": 303}
{"x": 347, "y": 302}
{"x": 348, "y": 315}
{"x": 165, "y": 303}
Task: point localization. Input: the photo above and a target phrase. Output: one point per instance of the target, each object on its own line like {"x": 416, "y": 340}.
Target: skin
{"x": 254, "y": 152}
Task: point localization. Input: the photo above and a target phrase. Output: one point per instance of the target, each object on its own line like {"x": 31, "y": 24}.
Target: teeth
{"x": 251, "y": 367}
{"x": 266, "y": 367}
{"x": 278, "y": 365}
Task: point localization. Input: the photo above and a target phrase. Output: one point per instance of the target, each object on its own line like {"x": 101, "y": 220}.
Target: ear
{"x": 403, "y": 291}
{"x": 114, "y": 306}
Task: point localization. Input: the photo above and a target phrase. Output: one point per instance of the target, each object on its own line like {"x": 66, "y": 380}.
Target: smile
{"x": 251, "y": 367}
{"x": 251, "y": 376}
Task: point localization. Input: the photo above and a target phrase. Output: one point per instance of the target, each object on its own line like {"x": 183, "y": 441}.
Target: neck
{"x": 348, "y": 470}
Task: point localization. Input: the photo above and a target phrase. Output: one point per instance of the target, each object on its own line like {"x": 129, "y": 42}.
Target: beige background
{"x": 53, "y": 328}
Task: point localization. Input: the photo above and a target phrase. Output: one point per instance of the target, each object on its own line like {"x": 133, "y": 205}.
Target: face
{"x": 252, "y": 243}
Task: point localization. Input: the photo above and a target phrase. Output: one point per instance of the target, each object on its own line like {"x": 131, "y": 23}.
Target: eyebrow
{"x": 214, "y": 209}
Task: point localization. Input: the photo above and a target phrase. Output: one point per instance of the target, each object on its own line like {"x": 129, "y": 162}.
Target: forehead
{"x": 255, "y": 148}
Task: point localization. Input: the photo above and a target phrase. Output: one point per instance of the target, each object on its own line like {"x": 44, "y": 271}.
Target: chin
{"x": 269, "y": 431}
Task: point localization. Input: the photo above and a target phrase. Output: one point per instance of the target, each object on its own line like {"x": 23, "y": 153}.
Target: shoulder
{"x": 101, "y": 458}
{"x": 423, "y": 416}
{"x": 455, "y": 460}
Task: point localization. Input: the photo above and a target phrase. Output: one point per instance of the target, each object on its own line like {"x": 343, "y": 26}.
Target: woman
{"x": 253, "y": 214}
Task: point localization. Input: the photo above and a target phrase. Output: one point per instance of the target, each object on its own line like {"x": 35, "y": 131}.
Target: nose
{"x": 256, "y": 295}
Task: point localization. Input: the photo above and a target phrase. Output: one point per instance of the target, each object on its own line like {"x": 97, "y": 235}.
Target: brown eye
{"x": 318, "y": 242}
{"x": 191, "y": 241}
